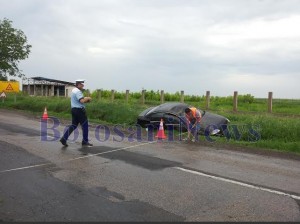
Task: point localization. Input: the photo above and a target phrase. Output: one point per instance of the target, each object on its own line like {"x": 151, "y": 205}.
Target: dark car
{"x": 173, "y": 114}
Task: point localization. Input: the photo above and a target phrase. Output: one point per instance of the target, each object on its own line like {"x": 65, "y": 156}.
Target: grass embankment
{"x": 277, "y": 131}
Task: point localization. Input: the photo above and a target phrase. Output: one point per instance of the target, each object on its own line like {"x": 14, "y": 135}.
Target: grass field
{"x": 277, "y": 131}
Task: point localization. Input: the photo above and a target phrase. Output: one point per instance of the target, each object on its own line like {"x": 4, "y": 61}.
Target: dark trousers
{"x": 78, "y": 117}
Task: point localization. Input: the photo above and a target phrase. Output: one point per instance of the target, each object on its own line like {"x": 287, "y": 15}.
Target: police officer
{"x": 78, "y": 114}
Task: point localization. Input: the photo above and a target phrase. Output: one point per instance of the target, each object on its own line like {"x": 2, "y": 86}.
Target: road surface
{"x": 121, "y": 178}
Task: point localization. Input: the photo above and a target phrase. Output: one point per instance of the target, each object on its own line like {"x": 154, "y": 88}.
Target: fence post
{"x": 235, "y": 101}
{"x": 112, "y": 95}
{"x": 143, "y": 96}
{"x": 182, "y": 96}
{"x": 127, "y": 95}
{"x": 207, "y": 100}
{"x": 270, "y": 98}
{"x": 162, "y": 96}
{"x": 99, "y": 94}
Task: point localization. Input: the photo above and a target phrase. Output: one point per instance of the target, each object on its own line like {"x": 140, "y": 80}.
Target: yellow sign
{"x": 9, "y": 86}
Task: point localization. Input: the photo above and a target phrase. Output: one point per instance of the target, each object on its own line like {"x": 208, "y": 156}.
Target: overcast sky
{"x": 249, "y": 46}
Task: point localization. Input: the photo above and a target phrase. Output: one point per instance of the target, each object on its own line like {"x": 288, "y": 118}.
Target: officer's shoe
{"x": 63, "y": 141}
{"x": 87, "y": 144}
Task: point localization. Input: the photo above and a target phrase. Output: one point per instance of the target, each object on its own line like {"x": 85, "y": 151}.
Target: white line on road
{"x": 238, "y": 183}
{"x": 81, "y": 157}
{"x": 25, "y": 167}
{"x": 178, "y": 168}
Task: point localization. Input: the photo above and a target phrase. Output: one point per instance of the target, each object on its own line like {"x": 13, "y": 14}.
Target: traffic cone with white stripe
{"x": 45, "y": 114}
{"x": 161, "y": 133}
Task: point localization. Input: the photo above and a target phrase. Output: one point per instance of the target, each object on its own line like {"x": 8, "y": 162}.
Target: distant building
{"x": 40, "y": 86}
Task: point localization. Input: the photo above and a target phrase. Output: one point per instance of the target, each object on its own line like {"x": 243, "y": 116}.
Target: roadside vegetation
{"x": 279, "y": 130}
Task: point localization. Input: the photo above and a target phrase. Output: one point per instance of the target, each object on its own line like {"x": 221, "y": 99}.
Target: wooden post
{"x": 99, "y": 94}
{"x": 207, "y": 100}
{"x": 143, "y": 96}
{"x": 182, "y": 96}
{"x": 270, "y": 99}
{"x": 127, "y": 95}
{"x": 112, "y": 95}
{"x": 235, "y": 101}
{"x": 162, "y": 96}
{"x": 57, "y": 91}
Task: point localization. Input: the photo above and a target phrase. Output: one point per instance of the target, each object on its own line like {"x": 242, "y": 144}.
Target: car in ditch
{"x": 172, "y": 114}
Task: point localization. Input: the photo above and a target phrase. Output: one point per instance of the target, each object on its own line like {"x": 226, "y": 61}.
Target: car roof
{"x": 172, "y": 107}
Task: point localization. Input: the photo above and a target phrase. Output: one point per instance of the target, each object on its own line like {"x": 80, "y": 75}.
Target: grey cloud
{"x": 135, "y": 40}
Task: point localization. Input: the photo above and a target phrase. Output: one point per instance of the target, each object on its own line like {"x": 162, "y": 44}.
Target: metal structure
{"x": 41, "y": 86}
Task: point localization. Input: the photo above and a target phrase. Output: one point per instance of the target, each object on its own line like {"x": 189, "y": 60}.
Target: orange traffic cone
{"x": 45, "y": 114}
{"x": 161, "y": 132}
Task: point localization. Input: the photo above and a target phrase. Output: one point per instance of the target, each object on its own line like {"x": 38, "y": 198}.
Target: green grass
{"x": 277, "y": 131}
{"x": 280, "y": 133}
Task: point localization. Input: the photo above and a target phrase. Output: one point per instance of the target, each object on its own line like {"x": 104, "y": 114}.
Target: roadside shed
{"x": 41, "y": 86}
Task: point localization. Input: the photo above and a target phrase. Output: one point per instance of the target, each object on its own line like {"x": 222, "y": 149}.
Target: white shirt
{"x": 76, "y": 96}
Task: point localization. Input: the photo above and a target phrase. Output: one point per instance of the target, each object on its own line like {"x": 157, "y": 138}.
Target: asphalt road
{"x": 121, "y": 178}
